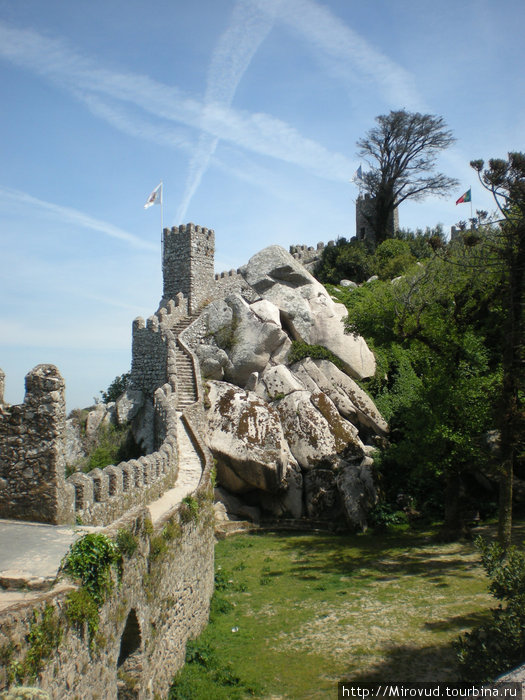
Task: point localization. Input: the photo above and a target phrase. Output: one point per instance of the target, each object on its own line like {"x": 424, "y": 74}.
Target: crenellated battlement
{"x": 103, "y": 495}
{"x": 32, "y": 462}
{"x": 308, "y": 255}
{"x": 364, "y": 213}
{"x": 187, "y": 264}
{"x": 228, "y": 273}
{"x": 232, "y": 282}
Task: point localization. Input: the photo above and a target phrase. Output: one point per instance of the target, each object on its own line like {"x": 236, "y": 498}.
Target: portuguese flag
{"x": 466, "y": 197}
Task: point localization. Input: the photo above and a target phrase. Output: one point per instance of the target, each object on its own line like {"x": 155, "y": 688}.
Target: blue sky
{"x": 247, "y": 110}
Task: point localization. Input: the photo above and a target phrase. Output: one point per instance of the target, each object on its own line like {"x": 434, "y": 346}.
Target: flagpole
{"x": 161, "y": 221}
{"x": 470, "y": 188}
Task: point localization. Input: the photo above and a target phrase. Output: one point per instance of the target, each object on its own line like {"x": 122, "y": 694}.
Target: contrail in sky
{"x": 235, "y": 49}
{"x": 76, "y": 217}
{"x": 258, "y": 133}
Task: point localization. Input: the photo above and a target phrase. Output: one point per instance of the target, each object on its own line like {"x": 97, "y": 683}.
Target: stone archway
{"x": 129, "y": 664}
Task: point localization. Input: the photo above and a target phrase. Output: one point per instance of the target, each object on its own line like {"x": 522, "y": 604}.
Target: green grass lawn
{"x": 295, "y": 613}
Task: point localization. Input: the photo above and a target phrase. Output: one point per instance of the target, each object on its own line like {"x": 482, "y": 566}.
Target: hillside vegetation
{"x": 294, "y": 613}
{"x": 435, "y": 318}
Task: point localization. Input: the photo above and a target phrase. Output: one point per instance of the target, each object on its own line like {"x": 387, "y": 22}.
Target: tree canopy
{"x": 401, "y": 152}
{"x": 505, "y": 179}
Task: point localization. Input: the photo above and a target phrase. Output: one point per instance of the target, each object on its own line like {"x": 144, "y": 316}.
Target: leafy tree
{"x": 505, "y": 179}
{"x": 436, "y": 378}
{"x": 346, "y": 260}
{"x": 356, "y": 260}
{"x": 117, "y": 387}
{"x": 392, "y": 258}
{"x": 423, "y": 243}
{"x": 498, "y": 644}
{"x": 402, "y": 151}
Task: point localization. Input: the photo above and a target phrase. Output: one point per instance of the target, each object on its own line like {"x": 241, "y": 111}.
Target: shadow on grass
{"x": 408, "y": 664}
{"x": 458, "y": 622}
{"x": 379, "y": 557}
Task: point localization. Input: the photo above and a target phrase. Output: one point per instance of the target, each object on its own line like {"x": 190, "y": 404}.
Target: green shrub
{"x": 127, "y": 543}
{"x": 189, "y": 510}
{"x": 158, "y": 547}
{"x": 346, "y": 260}
{"x": 44, "y": 637}
{"x": 392, "y": 258}
{"x": 117, "y": 387}
{"x": 300, "y": 350}
{"x": 89, "y": 560}
{"x": 115, "y": 444}
{"x": 81, "y": 610}
{"x": 384, "y": 516}
{"x": 499, "y": 644}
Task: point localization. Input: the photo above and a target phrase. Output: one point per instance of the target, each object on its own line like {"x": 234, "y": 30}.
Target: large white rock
{"x": 254, "y": 341}
{"x": 74, "y": 450}
{"x": 212, "y": 360}
{"x": 279, "y": 382}
{"x": 351, "y": 401}
{"x": 238, "y": 338}
{"x": 128, "y": 405}
{"x": 307, "y": 311}
{"x": 94, "y": 420}
{"x": 357, "y": 491}
{"x": 246, "y": 438}
{"x": 314, "y": 430}
{"x": 266, "y": 311}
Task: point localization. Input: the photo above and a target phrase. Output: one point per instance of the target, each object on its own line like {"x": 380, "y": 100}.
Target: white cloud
{"x": 75, "y": 217}
{"x": 260, "y": 133}
{"x": 230, "y": 60}
{"x": 344, "y": 51}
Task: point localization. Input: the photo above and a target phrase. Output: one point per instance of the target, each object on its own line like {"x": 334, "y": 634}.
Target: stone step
{"x": 226, "y": 528}
{"x": 186, "y": 386}
{"x": 183, "y": 324}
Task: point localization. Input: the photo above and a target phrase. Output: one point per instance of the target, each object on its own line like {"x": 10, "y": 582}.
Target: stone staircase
{"x": 186, "y": 389}
{"x": 182, "y": 324}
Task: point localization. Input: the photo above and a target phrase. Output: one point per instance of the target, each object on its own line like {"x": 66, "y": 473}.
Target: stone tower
{"x": 363, "y": 209}
{"x": 188, "y": 264}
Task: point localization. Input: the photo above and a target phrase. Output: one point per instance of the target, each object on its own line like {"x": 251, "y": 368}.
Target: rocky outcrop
{"x": 246, "y": 438}
{"x": 351, "y": 401}
{"x": 288, "y": 440}
{"x": 315, "y": 432}
{"x": 241, "y": 339}
{"x": 306, "y": 309}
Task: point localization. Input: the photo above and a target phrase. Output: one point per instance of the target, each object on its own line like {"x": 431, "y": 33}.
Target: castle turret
{"x": 364, "y": 211}
{"x": 188, "y": 264}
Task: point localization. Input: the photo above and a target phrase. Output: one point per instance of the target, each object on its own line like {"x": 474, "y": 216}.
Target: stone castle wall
{"x": 149, "y": 355}
{"x": 363, "y": 211}
{"x": 33, "y": 486}
{"x": 308, "y": 255}
{"x": 32, "y": 463}
{"x": 161, "y": 601}
{"x": 187, "y": 264}
{"x": 103, "y": 495}
{"x": 153, "y": 347}
{"x": 232, "y": 282}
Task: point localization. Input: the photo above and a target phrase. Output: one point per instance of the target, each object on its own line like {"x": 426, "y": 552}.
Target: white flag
{"x": 155, "y": 197}
{"x": 358, "y": 175}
